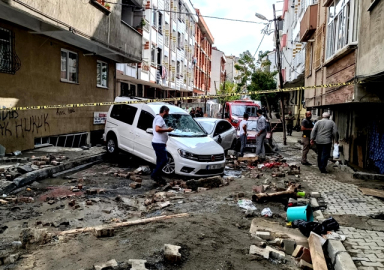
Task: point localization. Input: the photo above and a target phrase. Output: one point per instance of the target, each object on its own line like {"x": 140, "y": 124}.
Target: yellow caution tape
{"x": 94, "y": 104}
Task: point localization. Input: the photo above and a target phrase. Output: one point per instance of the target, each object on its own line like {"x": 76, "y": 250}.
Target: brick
{"x": 264, "y": 235}
{"x": 255, "y": 250}
{"x": 103, "y": 232}
{"x": 374, "y": 264}
{"x": 304, "y": 265}
{"x": 298, "y": 251}
{"x": 289, "y": 246}
{"x": 171, "y": 253}
{"x": 112, "y": 264}
{"x": 135, "y": 185}
{"x": 137, "y": 264}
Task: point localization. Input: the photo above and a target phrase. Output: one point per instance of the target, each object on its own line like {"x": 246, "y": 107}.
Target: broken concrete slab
{"x": 112, "y": 264}
{"x": 137, "y": 264}
{"x": 171, "y": 253}
{"x": 255, "y": 250}
{"x": 276, "y": 254}
{"x": 264, "y": 235}
{"x": 315, "y": 195}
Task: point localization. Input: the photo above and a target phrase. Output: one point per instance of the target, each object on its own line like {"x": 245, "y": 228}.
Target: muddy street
{"x": 62, "y": 222}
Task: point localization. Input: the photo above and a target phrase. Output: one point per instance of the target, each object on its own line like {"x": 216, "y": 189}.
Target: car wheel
{"x": 169, "y": 168}
{"x": 233, "y": 146}
{"x": 112, "y": 147}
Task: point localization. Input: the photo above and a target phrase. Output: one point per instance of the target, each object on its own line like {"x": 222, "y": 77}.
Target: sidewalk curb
{"x": 48, "y": 172}
{"x": 340, "y": 258}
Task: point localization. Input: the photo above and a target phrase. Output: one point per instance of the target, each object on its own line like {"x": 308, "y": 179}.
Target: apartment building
{"x": 167, "y": 68}
{"x": 60, "y": 52}
{"x": 218, "y": 71}
{"x": 203, "y": 57}
{"x": 231, "y": 72}
{"x": 293, "y": 56}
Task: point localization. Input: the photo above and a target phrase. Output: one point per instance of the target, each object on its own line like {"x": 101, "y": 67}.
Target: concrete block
{"x": 334, "y": 247}
{"x": 264, "y": 235}
{"x": 112, "y": 264}
{"x": 104, "y": 232}
{"x": 304, "y": 265}
{"x": 314, "y": 203}
{"x": 137, "y": 264}
{"x": 171, "y": 253}
{"x": 255, "y": 250}
{"x": 289, "y": 246}
{"x": 302, "y": 201}
{"x": 318, "y": 214}
{"x": 298, "y": 251}
{"x": 315, "y": 195}
{"x": 276, "y": 254}
{"x": 345, "y": 262}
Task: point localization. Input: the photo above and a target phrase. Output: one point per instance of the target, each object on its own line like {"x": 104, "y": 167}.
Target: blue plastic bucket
{"x": 300, "y": 213}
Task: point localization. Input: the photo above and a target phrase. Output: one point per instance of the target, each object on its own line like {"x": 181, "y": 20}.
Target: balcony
{"x": 308, "y": 24}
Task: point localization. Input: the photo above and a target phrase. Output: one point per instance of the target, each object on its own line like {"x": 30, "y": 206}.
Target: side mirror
{"x": 219, "y": 140}
{"x": 226, "y": 115}
{"x": 150, "y": 130}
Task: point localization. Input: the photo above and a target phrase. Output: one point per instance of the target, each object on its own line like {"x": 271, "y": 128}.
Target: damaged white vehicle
{"x": 190, "y": 150}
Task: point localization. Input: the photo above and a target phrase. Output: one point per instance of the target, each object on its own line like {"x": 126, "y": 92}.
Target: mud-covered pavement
{"x": 215, "y": 235}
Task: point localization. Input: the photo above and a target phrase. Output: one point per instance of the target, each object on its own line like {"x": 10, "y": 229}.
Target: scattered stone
{"x": 135, "y": 185}
{"x": 255, "y": 250}
{"x": 104, "y": 232}
{"x": 315, "y": 195}
{"x": 136, "y": 178}
{"x": 264, "y": 235}
{"x": 24, "y": 169}
{"x": 107, "y": 211}
{"x": 209, "y": 182}
{"x": 171, "y": 253}
{"x": 16, "y": 244}
{"x": 289, "y": 246}
{"x": 72, "y": 203}
{"x": 276, "y": 254}
{"x": 75, "y": 190}
{"x": 80, "y": 186}
{"x": 304, "y": 265}
{"x": 91, "y": 191}
{"x": 318, "y": 214}
{"x": 112, "y": 264}
{"x": 298, "y": 251}
{"x": 187, "y": 190}
{"x": 100, "y": 191}
{"x": 258, "y": 189}
{"x": 137, "y": 264}
{"x": 3, "y": 201}
{"x": 163, "y": 205}
{"x": 201, "y": 189}
{"x": 51, "y": 202}
{"x": 314, "y": 203}
{"x": 89, "y": 202}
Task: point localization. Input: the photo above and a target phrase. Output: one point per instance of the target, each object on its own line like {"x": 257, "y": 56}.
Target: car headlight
{"x": 235, "y": 121}
{"x": 187, "y": 155}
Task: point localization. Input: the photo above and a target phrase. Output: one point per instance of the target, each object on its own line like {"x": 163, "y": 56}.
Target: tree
{"x": 227, "y": 88}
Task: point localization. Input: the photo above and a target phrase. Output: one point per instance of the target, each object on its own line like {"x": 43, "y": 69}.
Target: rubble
{"x": 264, "y": 235}
{"x": 112, "y": 264}
{"x": 171, "y": 253}
{"x": 137, "y": 264}
{"x": 289, "y": 246}
{"x": 135, "y": 185}
{"x": 103, "y": 232}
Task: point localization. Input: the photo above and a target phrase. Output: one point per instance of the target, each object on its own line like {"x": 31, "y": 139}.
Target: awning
{"x": 129, "y": 79}
{"x": 64, "y": 33}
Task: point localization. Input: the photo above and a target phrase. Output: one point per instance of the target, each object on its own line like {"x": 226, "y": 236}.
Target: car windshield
{"x": 239, "y": 110}
{"x": 208, "y": 126}
{"x": 252, "y": 125}
{"x": 184, "y": 126}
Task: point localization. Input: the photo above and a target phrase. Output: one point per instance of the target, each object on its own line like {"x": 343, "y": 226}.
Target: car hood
{"x": 197, "y": 145}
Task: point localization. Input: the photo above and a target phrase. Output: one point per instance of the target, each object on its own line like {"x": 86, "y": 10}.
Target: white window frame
{"x": 348, "y": 11}
{"x": 67, "y": 66}
{"x": 101, "y": 65}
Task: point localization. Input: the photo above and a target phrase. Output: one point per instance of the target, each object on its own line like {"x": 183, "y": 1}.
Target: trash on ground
{"x": 334, "y": 236}
{"x": 306, "y": 227}
{"x": 246, "y": 204}
{"x": 266, "y": 212}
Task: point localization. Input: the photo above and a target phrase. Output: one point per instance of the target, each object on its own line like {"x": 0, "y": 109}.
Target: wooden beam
{"x": 317, "y": 254}
{"x": 373, "y": 192}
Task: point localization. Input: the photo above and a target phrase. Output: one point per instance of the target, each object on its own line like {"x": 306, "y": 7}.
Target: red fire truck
{"x": 234, "y": 111}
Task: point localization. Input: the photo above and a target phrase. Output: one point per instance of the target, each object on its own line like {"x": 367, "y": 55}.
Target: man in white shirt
{"x": 159, "y": 142}
{"x": 243, "y": 133}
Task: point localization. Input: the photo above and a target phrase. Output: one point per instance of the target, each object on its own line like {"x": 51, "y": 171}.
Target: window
{"x": 145, "y": 120}
{"x": 69, "y": 66}
{"x": 127, "y": 90}
{"x": 102, "y": 74}
{"x": 159, "y": 56}
{"x": 154, "y": 18}
{"x": 179, "y": 40}
{"x": 124, "y": 113}
{"x": 160, "y": 29}
{"x": 127, "y": 13}
{"x": 153, "y": 56}
{"x": 9, "y": 62}
{"x": 342, "y": 25}
{"x": 140, "y": 90}
{"x": 222, "y": 127}
{"x": 178, "y": 69}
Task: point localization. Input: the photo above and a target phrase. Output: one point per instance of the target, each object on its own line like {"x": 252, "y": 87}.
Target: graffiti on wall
{"x": 11, "y": 125}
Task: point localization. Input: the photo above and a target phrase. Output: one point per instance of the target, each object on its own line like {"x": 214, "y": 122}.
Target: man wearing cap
{"x": 322, "y": 134}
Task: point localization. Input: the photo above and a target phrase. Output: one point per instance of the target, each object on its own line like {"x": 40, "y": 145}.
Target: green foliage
{"x": 227, "y": 88}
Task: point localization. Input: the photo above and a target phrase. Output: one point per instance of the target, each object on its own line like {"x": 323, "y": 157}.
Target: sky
{"x": 233, "y": 38}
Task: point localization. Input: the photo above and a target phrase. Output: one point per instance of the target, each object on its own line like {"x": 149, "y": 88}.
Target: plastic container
{"x": 301, "y": 194}
{"x": 300, "y": 213}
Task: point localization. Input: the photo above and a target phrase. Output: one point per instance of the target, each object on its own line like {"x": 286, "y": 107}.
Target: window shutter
{"x": 319, "y": 46}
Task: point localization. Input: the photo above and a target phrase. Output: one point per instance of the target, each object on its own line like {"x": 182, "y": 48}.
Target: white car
{"x": 190, "y": 150}
{"x": 220, "y": 130}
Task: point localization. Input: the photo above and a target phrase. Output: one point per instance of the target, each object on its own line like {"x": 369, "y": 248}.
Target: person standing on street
{"x": 306, "y": 127}
{"x": 159, "y": 142}
{"x": 243, "y": 133}
{"x": 289, "y": 120}
{"x": 322, "y": 133}
{"x": 261, "y": 133}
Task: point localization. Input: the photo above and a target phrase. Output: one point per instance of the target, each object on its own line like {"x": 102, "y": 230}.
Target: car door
{"x": 219, "y": 132}
{"x": 125, "y": 114}
{"x": 143, "y": 140}
{"x": 226, "y": 134}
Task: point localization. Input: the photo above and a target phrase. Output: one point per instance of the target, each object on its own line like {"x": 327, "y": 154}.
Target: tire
{"x": 169, "y": 168}
{"x": 233, "y": 146}
{"x": 112, "y": 147}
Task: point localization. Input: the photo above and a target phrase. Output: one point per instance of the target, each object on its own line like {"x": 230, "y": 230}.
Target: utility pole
{"x": 277, "y": 37}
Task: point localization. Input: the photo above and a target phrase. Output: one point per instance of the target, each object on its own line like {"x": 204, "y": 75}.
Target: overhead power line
{"x": 189, "y": 13}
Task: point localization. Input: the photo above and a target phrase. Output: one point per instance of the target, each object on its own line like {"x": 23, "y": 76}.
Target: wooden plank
{"x": 253, "y": 159}
{"x": 360, "y": 156}
{"x": 124, "y": 224}
{"x": 317, "y": 254}
{"x": 372, "y": 192}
